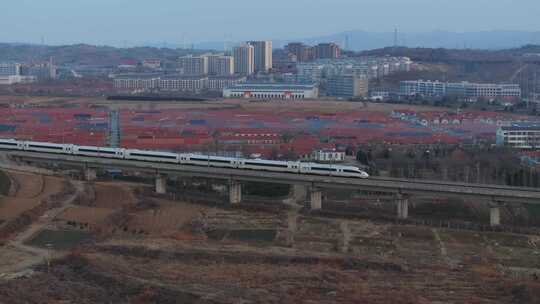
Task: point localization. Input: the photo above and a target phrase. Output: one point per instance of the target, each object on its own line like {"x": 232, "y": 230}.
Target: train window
{"x": 45, "y": 147}
{"x": 219, "y": 161}
{"x": 201, "y": 159}
{"x": 323, "y": 169}
{"x": 155, "y": 156}
{"x": 267, "y": 165}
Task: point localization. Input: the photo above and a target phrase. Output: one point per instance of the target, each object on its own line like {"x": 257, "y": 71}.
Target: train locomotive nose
{"x": 364, "y": 175}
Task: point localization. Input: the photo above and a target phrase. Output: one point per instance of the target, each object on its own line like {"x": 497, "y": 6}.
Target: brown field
{"x": 82, "y": 214}
{"x": 150, "y": 252}
{"x": 111, "y": 196}
{"x": 31, "y": 190}
{"x": 320, "y": 105}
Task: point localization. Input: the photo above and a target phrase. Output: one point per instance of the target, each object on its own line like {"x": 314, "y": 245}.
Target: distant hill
{"x": 83, "y": 54}
{"x": 363, "y": 40}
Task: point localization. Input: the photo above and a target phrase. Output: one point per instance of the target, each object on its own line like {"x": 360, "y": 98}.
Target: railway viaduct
{"x": 400, "y": 189}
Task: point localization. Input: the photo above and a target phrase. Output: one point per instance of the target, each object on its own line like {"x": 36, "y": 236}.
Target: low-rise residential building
{"x": 182, "y": 83}
{"x": 10, "y": 69}
{"x": 421, "y": 87}
{"x": 135, "y": 82}
{"x": 15, "y": 79}
{"x": 519, "y": 136}
{"x": 311, "y": 71}
{"x": 219, "y": 83}
{"x": 271, "y": 91}
{"x": 459, "y": 89}
{"x": 347, "y": 86}
{"x": 155, "y": 82}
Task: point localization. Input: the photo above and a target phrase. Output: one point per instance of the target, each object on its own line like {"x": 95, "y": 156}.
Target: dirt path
{"x": 38, "y": 255}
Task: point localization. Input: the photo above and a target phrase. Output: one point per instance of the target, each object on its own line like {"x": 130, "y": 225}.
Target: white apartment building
{"x": 182, "y": 83}
{"x": 220, "y": 65}
{"x": 193, "y": 65}
{"x": 15, "y": 79}
{"x": 462, "y": 89}
{"x": 10, "y": 69}
{"x": 519, "y": 136}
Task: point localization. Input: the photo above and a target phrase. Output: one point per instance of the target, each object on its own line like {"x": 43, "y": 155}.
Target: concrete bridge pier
{"x": 161, "y": 184}
{"x": 90, "y": 174}
{"x": 235, "y": 192}
{"x": 316, "y": 199}
{"x": 495, "y": 214}
{"x": 299, "y": 193}
{"x": 402, "y": 206}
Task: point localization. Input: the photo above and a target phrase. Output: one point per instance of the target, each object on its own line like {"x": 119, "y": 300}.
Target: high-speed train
{"x": 185, "y": 159}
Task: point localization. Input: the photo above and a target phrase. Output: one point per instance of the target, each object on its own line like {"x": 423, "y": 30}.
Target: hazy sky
{"x": 136, "y": 21}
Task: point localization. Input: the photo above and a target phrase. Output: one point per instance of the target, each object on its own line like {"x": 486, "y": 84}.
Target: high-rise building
{"x": 327, "y": 51}
{"x": 193, "y": 65}
{"x": 220, "y": 65}
{"x": 301, "y": 51}
{"x": 262, "y": 55}
{"x": 244, "y": 59}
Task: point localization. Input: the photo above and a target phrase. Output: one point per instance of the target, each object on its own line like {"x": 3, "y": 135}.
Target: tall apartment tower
{"x": 263, "y": 55}
{"x": 327, "y": 51}
{"x": 219, "y": 65}
{"x": 244, "y": 59}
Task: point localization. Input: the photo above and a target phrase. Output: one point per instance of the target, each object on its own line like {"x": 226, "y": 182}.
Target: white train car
{"x": 198, "y": 160}
{"x": 332, "y": 170}
{"x": 187, "y": 159}
{"x": 10, "y": 144}
{"x": 150, "y": 156}
{"x": 223, "y": 162}
{"x": 35, "y": 146}
{"x": 98, "y": 152}
{"x": 271, "y": 165}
